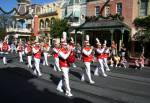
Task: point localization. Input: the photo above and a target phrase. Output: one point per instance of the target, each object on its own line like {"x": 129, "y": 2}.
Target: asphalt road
{"x": 19, "y": 85}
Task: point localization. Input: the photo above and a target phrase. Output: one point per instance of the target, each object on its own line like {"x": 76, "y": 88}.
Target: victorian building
{"x": 48, "y": 12}
{"x": 113, "y": 20}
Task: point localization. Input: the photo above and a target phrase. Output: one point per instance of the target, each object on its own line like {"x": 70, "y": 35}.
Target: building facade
{"x": 47, "y": 14}
{"x": 75, "y": 12}
{"x": 128, "y": 9}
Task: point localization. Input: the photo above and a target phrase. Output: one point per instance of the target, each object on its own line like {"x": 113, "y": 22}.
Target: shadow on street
{"x": 15, "y": 87}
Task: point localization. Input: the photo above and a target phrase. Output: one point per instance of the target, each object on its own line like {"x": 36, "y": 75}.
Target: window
{"x": 97, "y": 10}
{"x": 76, "y": 1}
{"x": 107, "y": 11}
{"x": 119, "y": 8}
{"x": 143, "y": 7}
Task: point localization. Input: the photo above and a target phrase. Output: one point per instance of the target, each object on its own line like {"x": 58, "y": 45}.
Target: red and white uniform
{"x": 87, "y": 54}
{"x": 28, "y": 51}
{"x": 63, "y": 55}
{"x": 20, "y": 49}
{"x": 71, "y": 58}
{"x": 100, "y": 56}
{"x": 37, "y": 56}
{"x": 64, "y": 65}
{"x": 106, "y": 55}
{"x": 55, "y": 52}
{"x": 5, "y": 49}
{"x": 46, "y": 49}
{"x": 87, "y": 59}
{"x": 37, "y": 51}
{"x": 56, "y": 59}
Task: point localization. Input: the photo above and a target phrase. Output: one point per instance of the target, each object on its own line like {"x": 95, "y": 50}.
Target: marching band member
{"x": 28, "y": 51}
{"x": 106, "y": 55}
{"x": 72, "y": 55}
{"x": 55, "y": 55}
{"x": 87, "y": 59}
{"x": 100, "y": 55}
{"x": 37, "y": 57}
{"x": 64, "y": 53}
{"x": 5, "y": 49}
{"x": 46, "y": 49}
{"x": 20, "y": 50}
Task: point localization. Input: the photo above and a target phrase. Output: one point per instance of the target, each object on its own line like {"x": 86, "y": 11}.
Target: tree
{"x": 143, "y": 33}
{"x": 143, "y": 27}
{"x": 57, "y": 27}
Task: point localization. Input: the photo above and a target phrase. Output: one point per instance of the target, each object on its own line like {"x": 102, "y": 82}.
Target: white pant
{"x": 65, "y": 80}
{"x": 56, "y": 64}
{"x": 4, "y": 57}
{"x": 20, "y": 57}
{"x": 4, "y": 60}
{"x": 106, "y": 63}
{"x": 100, "y": 66}
{"x": 87, "y": 71}
{"x": 37, "y": 66}
{"x": 45, "y": 58}
{"x": 29, "y": 61}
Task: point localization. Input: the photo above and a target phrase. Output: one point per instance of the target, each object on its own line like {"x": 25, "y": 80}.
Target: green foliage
{"x": 143, "y": 26}
{"x": 2, "y": 32}
{"x": 58, "y": 27}
{"x": 142, "y": 22}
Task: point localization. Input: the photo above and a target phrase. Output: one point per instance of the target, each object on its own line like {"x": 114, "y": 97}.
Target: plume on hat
{"x": 87, "y": 37}
{"x": 65, "y": 36}
{"x": 6, "y": 37}
{"x": 105, "y": 42}
{"x": 72, "y": 40}
{"x": 97, "y": 41}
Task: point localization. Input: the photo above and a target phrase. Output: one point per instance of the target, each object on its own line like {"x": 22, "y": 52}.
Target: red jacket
{"x": 85, "y": 57}
{"x": 38, "y": 54}
{"x": 55, "y": 54}
{"x": 63, "y": 62}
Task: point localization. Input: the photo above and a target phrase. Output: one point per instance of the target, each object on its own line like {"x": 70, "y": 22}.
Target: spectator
{"x": 123, "y": 50}
{"x": 123, "y": 62}
{"x": 78, "y": 51}
{"x": 140, "y": 62}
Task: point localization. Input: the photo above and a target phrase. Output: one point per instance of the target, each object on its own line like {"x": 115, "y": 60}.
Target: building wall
{"x": 129, "y": 10}
{"x": 49, "y": 9}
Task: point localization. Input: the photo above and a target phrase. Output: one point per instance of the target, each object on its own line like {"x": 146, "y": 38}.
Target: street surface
{"x": 19, "y": 85}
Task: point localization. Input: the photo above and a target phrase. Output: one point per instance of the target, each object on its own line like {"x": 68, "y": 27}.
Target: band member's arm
{"x": 26, "y": 50}
{"x": 35, "y": 51}
{"x": 64, "y": 56}
{"x": 9, "y": 48}
{"x": 87, "y": 53}
{"x": 17, "y": 47}
{"x": 99, "y": 51}
{"x": 55, "y": 50}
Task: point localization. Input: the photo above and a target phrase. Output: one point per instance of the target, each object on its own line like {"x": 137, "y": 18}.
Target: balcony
{"x": 19, "y": 30}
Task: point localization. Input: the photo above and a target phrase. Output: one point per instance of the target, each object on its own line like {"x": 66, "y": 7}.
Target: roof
{"x": 103, "y": 24}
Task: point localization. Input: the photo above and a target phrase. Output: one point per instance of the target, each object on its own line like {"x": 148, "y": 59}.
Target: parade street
{"x": 19, "y": 85}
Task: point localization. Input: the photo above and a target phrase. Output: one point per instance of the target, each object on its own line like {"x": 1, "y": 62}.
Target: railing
{"x": 18, "y": 30}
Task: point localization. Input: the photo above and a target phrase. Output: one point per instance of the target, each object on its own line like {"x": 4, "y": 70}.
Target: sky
{"x": 7, "y": 5}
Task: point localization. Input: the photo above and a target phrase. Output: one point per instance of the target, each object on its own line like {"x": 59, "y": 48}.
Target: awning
{"x": 103, "y": 24}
